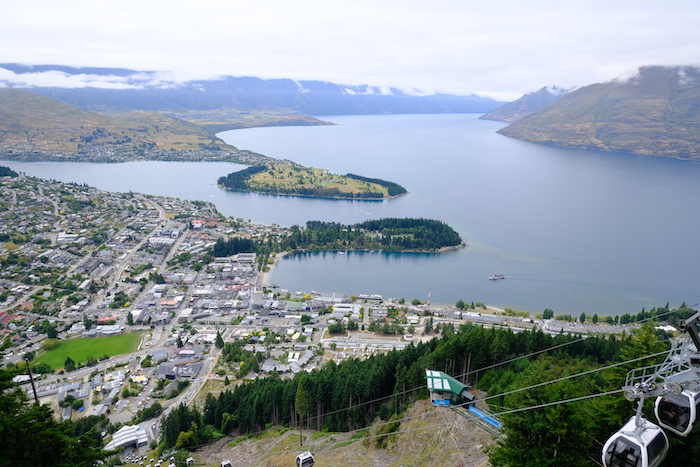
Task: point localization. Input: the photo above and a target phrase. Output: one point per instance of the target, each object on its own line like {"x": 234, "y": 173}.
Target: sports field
{"x": 80, "y": 349}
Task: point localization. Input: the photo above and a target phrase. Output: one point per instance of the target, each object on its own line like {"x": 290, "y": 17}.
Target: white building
{"x": 131, "y": 435}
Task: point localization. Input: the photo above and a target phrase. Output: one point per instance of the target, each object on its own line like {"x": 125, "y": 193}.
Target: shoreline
{"x": 332, "y": 198}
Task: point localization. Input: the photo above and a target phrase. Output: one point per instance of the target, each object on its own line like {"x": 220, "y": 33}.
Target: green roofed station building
{"x": 445, "y": 390}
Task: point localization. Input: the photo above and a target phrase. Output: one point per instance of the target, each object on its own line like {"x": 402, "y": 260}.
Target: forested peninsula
{"x": 296, "y": 180}
{"x": 389, "y": 234}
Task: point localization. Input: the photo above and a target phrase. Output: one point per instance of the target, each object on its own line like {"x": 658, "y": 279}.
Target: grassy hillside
{"x": 657, "y": 112}
{"x": 32, "y": 122}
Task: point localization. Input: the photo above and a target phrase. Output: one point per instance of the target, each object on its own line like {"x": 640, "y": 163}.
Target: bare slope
{"x": 32, "y": 122}
{"x": 430, "y": 436}
{"x": 656, "y": 112}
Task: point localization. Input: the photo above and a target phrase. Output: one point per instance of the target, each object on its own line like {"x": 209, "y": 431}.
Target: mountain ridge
{"x": 655, "y": 112}
{"x": 33, "y": 122}
{"x": 526, "y": 105}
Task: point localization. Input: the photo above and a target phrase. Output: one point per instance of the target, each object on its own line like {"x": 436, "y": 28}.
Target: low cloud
{"x": 418, "y": 92}
{"x": 64, "y": 80}
{"x": 684, "y": 79}
{"x": 630, "y": 77}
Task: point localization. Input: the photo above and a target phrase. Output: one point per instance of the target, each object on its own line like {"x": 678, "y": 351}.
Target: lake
{"x": 572, "y": 230}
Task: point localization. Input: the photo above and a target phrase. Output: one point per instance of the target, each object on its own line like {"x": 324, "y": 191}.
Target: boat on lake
{"x": 495, "y": 277}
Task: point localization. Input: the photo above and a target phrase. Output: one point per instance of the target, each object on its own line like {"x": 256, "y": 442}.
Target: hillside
{"x": 431, "y": 436}
{"x": 295, "y": 180}
{"x": 142, "y": 90}
{"x": 526, "y": 105}
{"x": 31, "y": 122}
{"x": 656, "y": 112}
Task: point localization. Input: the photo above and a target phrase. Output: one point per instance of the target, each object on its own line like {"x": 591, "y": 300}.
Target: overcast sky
{"x": 499, "y": 48}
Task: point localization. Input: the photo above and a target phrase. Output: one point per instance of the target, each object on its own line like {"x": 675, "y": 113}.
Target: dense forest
{"x": 7, "y": 172}
{"x": 238, "y": 180}
{"x": 352, "y": 394}
{"x": 234, "y": 246}
{"x": 390, "y": 234}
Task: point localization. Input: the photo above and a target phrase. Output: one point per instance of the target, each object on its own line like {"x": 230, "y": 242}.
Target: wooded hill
{"x": 656, "y": 112}
{"x": 31, "y": 122}
{"x": 390, "y": 234}
{"x": 296, "y": 180}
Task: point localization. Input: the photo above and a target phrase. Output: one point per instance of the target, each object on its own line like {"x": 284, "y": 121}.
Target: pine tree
{"x": 301, "y": 404}
{"x": 31, "y": 434}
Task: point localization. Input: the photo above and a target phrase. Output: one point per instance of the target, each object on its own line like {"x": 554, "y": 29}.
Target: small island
{"x": 291, "y": 179}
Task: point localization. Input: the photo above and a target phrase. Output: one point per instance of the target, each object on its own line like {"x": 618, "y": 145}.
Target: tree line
{"x": 7, "y": 172}
{"x": 239, "y": 180}
{"x": 234, "y": 246}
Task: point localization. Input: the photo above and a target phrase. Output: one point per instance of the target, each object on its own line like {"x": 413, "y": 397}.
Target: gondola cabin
{"x": 629, "y": 447}
{"x": 305, "y": 459}
{"x": 445, "y": 390}
{"x": 677, "y": 412}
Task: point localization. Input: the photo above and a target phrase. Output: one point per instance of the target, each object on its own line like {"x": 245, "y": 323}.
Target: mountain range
{"x": 121, "y": 90}
{"x": 655, "y": 112}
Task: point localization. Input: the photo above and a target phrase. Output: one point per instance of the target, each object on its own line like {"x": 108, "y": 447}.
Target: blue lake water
{"x": 573, "y": 230}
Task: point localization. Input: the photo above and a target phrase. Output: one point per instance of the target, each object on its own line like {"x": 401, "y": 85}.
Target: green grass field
{"x": 81, "y": 348}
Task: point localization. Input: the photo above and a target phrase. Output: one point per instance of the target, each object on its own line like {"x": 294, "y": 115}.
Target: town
{"x": 80, "y": 264}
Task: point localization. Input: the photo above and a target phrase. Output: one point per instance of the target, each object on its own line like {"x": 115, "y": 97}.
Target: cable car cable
{"x": 473, "y": 371}
{"x": 573, "y": 376}
{"x": 566, "y": 401}
{"x": 452, "y": 435}
{"x": 487, "y": 368}
{"x": 590, "y": 396}
{"x": 544, "y": 383}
